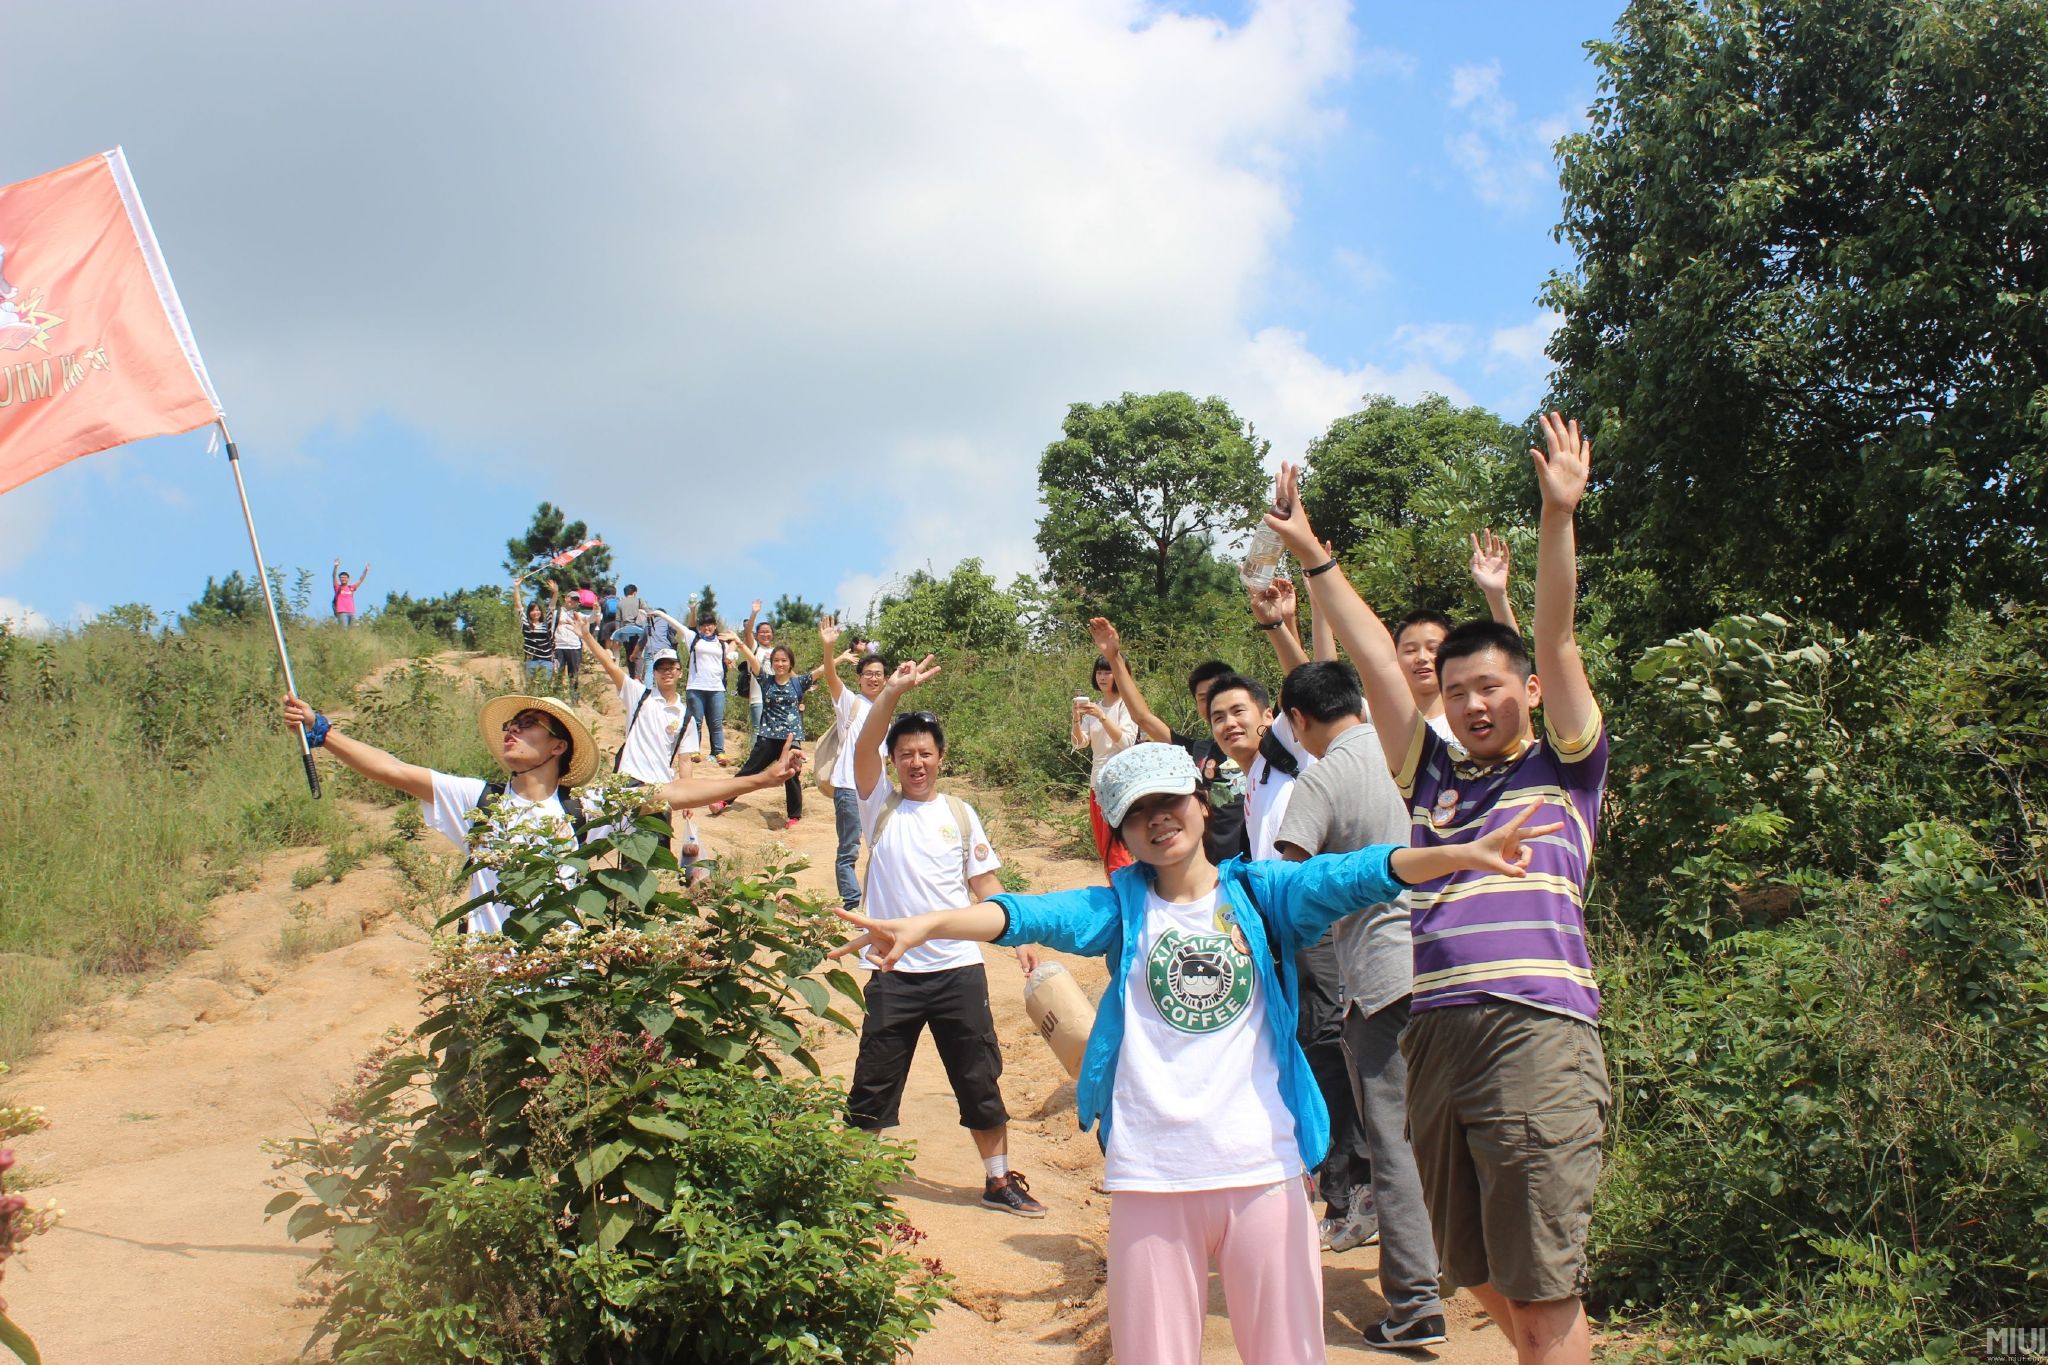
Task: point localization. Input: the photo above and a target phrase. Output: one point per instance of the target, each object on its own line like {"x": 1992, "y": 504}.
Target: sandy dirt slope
{"x": 162, "y": 1101}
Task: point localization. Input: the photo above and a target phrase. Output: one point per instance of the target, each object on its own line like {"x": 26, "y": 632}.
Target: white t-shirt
{"x": 1107, "y": 741}
{"x": 1267, "y": 791}
{"x": 916, "y": 867}
{"x": 851, "y": 711}
{"x": 1197, "y": 1101}
{"x": 448, "y": 815}
{"x": 1442, "y": 725}
{"x": 565, "y": 630}
{"x": 651, "y": 742}
{"x": 707, "y": 663}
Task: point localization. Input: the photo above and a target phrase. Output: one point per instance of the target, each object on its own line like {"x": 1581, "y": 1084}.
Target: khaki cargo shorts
{"x": 1507, "y": 1105}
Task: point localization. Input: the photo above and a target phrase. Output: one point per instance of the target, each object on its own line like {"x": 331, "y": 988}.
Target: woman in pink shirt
{"x": 345, "y": 593}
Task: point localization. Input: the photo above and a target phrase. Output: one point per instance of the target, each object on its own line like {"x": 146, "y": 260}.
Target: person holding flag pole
{"x": 108, "y": 356}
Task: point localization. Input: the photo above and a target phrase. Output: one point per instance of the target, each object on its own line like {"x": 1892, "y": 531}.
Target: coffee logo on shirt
{"x": 1199, "y": 983}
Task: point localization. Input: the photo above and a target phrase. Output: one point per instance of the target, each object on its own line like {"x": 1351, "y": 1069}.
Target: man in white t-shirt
{"x": 546, "y": 751}
{"x": 849, "y": 713}
{"x": 928, "y": 851}
{"x": 708, "y": 659}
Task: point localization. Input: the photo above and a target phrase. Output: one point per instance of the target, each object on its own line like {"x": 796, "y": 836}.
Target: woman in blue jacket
{"x": 1202, "y": 1099}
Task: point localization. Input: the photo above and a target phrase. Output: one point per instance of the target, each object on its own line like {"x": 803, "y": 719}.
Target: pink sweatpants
{"x": 1263, "y": 1240}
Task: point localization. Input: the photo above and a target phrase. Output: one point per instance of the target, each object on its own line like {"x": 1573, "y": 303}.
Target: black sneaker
{"x": 1012, "y": 1194}
{"x": 1386, "y": 1336}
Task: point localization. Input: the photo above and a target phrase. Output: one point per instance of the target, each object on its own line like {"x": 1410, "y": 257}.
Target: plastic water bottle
{"x": 1261, "y": 559}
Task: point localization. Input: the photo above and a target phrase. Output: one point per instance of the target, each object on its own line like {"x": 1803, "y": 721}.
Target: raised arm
{"x": 828, "y": 641}
{"x": 1561, "y": 472}
{"x": 1491, "y": 561}
{"x": 363, "y": 577}
{"x": 752, "y": 661}
{"x": 591, "y": 648}
{"x": 519, "y": 600}
{"x": 867, "y": 749}
{"x": 702, "y": 791}
{"x": 680, "y": 629}
{"x": 1110, "y": 645}
{"x": 367, "y": 759}
{"x": 1357, "y": 626}
{"x": 753, "y": 618}
{"x": 1323, "y": 640}
{"x": 1273, "y": 609}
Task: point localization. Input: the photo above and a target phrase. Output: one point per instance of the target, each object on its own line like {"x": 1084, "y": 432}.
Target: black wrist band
{"x": 1323, "y": 567}
{"x": 1267, "y": 625}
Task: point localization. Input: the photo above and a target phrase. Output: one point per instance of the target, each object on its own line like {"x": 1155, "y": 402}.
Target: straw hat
{"x": 582, "y": 758}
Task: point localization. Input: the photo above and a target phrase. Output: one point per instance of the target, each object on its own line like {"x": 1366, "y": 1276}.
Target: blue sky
{"x": 786, "y": 298}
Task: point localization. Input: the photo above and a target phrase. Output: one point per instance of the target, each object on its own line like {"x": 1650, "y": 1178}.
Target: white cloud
{"x": 1292, "y": 395}
{"x": 786, "y": 254}
{"x": 23, "y": 619}
{"x": 24, "y": 517}
{"x": 1523, "y": 344}
{"x": 1506, "y": 158}
{"x": 1444, "y": 342}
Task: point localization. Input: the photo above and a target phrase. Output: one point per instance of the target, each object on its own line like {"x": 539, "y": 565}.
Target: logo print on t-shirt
{"x": 1199, "y": 983}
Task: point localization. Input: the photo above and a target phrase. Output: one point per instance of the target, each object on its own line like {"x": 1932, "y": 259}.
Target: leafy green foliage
{"x": 1138, "y": 492}
{"x": 1824, "y": 990}
{"x": 792, "y": 613}
{"x": 470, "y": 618}
{"x": 586, "y": 1150}
{"x": 232, "y": 600}
{"x": 1366, "y": 473}
{"x": 964, "y": 611}
{"x": 549, "y": 533}
{"x": 1806, "y": 318}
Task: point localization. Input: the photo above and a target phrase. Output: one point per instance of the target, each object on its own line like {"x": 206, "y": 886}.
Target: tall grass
{"x": 142, "y": 773}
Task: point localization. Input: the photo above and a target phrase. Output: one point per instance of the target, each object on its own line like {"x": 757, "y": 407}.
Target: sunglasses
{"x": 526, "y": 720}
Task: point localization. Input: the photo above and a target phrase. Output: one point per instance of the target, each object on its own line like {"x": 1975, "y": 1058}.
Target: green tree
{"x": 549, "y": 533}
{"x": 795, "y": 612}
{"x": 233, "y": 598}
{"x": 964, "y": 611}
{"x": 1807, "y": 319}
{"x": 1362, "y": 474}
{"x": 707, "y": 602}
{"x": 1137, "y": 493}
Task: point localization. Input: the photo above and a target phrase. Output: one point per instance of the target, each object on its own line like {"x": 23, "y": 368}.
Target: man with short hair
{"x": 850, "y": 709}
{"x": 927, "y": 851}
{"x": 546, "y": 750}
{"x": 1346, "y": 801}
{"x": 1507, "y": 1083}
{"x": 632, "y": 625}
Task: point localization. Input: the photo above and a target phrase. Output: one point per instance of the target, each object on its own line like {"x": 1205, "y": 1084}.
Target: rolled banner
{"x": 1060, "y": 1011}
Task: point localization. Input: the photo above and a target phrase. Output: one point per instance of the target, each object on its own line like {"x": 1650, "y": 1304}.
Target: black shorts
{"x": 955, "y": 1004}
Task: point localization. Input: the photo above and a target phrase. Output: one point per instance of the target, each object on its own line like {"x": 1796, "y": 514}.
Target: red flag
{"x": 94, "y": 346}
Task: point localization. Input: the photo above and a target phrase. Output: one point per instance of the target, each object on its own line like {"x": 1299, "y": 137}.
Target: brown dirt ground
{"x": 161, "y": 1102}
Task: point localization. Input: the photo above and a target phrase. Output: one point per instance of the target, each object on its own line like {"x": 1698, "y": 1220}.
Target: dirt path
{"x": 161, "y": 1103}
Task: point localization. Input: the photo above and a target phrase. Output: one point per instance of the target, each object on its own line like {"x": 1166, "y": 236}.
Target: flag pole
{"x": 270, "y": 601}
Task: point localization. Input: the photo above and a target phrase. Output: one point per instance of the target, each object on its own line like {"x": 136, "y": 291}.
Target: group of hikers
{"x": 1345, "y": 935}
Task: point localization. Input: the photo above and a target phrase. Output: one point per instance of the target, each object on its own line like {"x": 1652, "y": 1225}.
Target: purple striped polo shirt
{"x": 1481, "y": 934}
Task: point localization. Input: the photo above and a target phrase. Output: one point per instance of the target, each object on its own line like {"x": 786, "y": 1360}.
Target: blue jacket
{"x": 1299, "y": 901}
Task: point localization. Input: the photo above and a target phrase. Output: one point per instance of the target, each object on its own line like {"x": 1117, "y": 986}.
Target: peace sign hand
{"x": 1563, "y": 471}
{"x": 910, "y": 675}
{"x": 1505, "y": 850}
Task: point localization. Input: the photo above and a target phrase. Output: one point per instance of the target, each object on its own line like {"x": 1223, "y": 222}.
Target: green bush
{"x": 599, "y": 1090}
{"x": 1825, "y": 1002}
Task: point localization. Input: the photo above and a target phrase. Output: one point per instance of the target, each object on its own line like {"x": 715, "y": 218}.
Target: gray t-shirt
{"x": 1346, "y": 802}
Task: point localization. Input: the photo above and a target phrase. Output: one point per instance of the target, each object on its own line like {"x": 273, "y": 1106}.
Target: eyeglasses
{"x": 526, "y": 720}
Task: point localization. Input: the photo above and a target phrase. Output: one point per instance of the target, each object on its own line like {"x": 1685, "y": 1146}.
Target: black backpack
{"x": 675, "y": 747}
